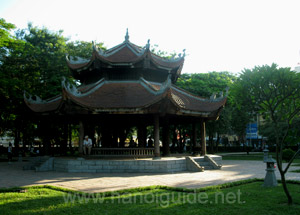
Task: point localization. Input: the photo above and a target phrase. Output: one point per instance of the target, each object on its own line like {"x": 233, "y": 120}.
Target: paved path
{"x": 13, "y": 175}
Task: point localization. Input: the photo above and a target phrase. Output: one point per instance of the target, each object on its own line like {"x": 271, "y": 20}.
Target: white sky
{"x": 224, "y": 35}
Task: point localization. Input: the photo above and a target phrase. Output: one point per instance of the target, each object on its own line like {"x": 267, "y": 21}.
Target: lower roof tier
{"x": 127, "y": 97}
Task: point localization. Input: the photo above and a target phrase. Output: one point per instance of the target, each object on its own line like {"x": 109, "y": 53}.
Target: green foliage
{"x": 206, "y": 84}
{"x": 268, "y": 88}
{"x": 155, "y": 49}
{"x": 6, "y": 39}
{"x": 32, "y": 60}
{"x": 274, "y": 93}
{"x": 48, "y": 51}
{"x": 82, "y": 49}
{"x": 287, "y": 154}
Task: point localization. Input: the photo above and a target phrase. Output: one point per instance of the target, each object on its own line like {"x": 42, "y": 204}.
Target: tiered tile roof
{"x": 127, "y": 96}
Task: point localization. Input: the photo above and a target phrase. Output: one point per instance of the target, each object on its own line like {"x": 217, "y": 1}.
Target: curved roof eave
{"x": 38, "y": 105}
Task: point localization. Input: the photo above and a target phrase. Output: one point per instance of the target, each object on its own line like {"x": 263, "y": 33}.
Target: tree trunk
{"x": 286, "y": 191}
{"x": 279, "y": 151}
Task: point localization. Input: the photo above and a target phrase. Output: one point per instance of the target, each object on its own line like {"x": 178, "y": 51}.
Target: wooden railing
{"x": 123, "y": 152}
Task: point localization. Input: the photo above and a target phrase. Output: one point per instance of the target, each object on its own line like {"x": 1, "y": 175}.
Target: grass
{"x": 242, "y": 197}
{"x": 256, "y": 156}
{"x": 243, "y": 157}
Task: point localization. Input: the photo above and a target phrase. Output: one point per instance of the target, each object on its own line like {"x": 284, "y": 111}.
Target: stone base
{"x": 270, "y": 179}
{"x": 163, "y": 165}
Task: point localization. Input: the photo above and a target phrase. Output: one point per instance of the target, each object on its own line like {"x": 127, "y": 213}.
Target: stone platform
{"x": 164, "y": 165}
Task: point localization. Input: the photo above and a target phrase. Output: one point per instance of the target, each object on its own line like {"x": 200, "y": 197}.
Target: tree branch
{"x": 291, "y": 161}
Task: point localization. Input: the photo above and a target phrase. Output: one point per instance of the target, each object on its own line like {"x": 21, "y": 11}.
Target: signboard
{"x": 251, "y": 131}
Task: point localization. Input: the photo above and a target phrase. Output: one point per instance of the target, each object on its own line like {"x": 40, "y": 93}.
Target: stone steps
{"x": 204, "y": 163}
{"x": 35, "y": 163}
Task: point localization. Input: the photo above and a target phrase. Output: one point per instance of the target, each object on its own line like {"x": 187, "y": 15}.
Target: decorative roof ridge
{"x": 152, "y": 82}
{"x": 221, "y": 95}
{"x": 83, "y": 65}
{"x": 146, "y": 84}
{"x": 173, "y": 59}
{"x": 81, "y": 60}
{"x": 117, "y": 48}
{"x": 211, "y": 99}
{"x": 73, "y": 90}
{"x": 166, "y": 85}
{"x": 38, "y": 100}
{"x": 187, "y": 93}
{"x": 89, "y": 86}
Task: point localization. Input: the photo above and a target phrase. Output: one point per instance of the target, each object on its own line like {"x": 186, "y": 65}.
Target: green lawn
{"x": 244, "y": 197}
{"x": 256, "y": 156}
{"x": 243, "y": 157}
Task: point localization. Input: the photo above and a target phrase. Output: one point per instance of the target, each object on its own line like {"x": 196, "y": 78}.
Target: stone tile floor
{"x": 12, "y": 175}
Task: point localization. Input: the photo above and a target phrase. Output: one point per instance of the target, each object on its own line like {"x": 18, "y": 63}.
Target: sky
{"x": 218, "y": 35}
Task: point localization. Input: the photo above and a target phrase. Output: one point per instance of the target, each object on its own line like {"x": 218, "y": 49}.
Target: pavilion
{"x": 128, "y": 85}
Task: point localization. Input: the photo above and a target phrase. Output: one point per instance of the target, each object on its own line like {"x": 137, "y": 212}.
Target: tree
{"x": 155, "y": 49}
{"x": 204, "y": 85}
{"x": 34, "y": 61}
{"x": 7, "y": 40}
{"x": 82, "y": 49}
{"x": 273, "y": 92}
{"x": 10, "y": 80}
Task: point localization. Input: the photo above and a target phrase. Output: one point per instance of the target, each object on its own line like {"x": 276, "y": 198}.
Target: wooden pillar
{"x": 45, "y": 130}
{"x": 194, "y": 137}
{"x": 166, "y": 138}
{"x": 156, "y": 137}
{"x": 81, "y": 136}
{"x": 142, "y": 133}
{"x": 70, "y": 136}
{"x": 203, "y": 139}
{"x": 64, "y": 143}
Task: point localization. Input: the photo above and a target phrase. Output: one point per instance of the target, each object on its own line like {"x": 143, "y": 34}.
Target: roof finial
{"x": 94, "y": 45}
{"x": 183, "y": 53}
{"x": 126, "y": 36}
{"x": 148, "y": 44}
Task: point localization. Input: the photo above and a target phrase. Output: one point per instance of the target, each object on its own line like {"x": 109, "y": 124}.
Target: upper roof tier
{"x": 127, "y": 56}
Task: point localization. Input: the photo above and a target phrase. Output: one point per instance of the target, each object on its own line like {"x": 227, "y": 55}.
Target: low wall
{"x": 121, "y": 166}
